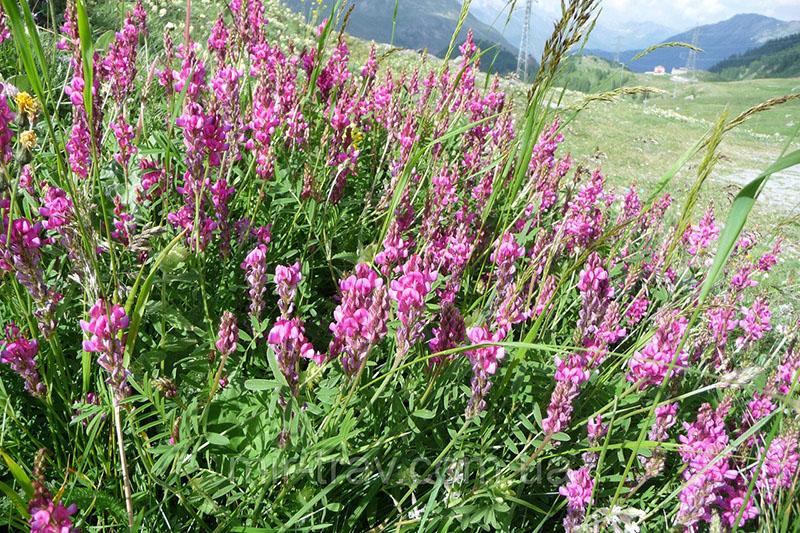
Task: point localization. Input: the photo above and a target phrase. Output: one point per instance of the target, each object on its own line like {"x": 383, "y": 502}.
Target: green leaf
{"x": 217, "y": 439}
{"x": 19, "y": 474}
{"x": 737, "y": 217}
{"x": 260, "y": 384}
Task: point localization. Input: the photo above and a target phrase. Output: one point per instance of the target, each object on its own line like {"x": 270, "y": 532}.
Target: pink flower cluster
{"x": 700, "y": 237}
{"x": 409, "y": 292}
{"x": 20, "y": 353}
{"x": 288, "y": 341}
{"x": 360, "y": 318}
{"x": 228, "y": 334}
{"x": 658, "y": 359}
{"x": 105, "y": 328}
{"x": 255, "y": 266}
{"x": 286, "y": 280}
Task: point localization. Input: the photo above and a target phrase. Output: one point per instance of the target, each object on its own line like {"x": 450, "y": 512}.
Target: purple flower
{"x": 755, "y": 322}
{"x": 360, "y": 319}
{"x": 57, "y": 209}
{"x": 700, "y": 237}
{"x": 708, "y": 470}
{"x": 255, "y": 266}
{"x": 450, "y": 332}
{"x": 578, "y": 492}
{"x": 779, "y": 467}
{"x": 287, "y": 339}
{"x": 107, "y": 338}
{"x": 47, "y": 515}
{"x": 286, "y": 280}
{"x": 19, "y": 353}
{"x": 409, "y": 292}
{"x": 650, "y": 366}
{"x": 485, "y": 361}
{"x": 124, "y": 134}
{"x": 6, "y": 118}
{"x": 228, "y": 334}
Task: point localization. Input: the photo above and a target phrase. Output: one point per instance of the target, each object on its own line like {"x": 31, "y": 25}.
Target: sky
{"x": 676, "y": 14}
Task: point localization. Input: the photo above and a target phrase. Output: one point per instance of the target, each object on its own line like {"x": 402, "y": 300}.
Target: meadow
{"x": 258, "y": 275}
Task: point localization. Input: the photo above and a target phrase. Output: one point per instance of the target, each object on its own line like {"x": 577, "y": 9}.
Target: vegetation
{"x": 778, "y": 58}
{"x": 250, "y": 282}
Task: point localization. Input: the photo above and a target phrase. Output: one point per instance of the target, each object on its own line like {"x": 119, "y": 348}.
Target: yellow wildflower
{"x": 28, "y": 139}
{"x": 27, "y": 104}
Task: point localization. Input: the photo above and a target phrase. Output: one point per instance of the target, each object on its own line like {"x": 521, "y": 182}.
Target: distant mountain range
{"x": 719, "y": 41}
{"x": 420, "y": 24}
{"x": 778, "y": 58}
{"x": 610, "y": 38}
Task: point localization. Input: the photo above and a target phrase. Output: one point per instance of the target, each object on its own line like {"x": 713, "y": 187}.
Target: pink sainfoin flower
{"x": 5, "y": 33}
{"x": 47, "y": 515}
{"x": 107, "y": 338}
{"x": 360, "y": 318}
{"x": 221, "y": 195}
{"x": 770, "y": 259}
{"x": 449, "y": 333}
{"x": 700, "y": 237}
{"x": 370, "y": 68}
{"x": 118, "y": 67}
{"x": 731, "y": 499}
{"x": 636, "y": 310}
{"x": 666, "y": 417}
{"x": 396, "y": 248}
{"x": 153, "y": 178}
{"x": 26, "y": 180}
{"x": 721, "y": 321}
{"x": 578, "y": 492}
{"x": 779, "y": 466}
{"x": 287, "y": 339}
{"x": 597, "y": 294}
{"x": 194, "y": 191}
{"x": 20, "y": 252}
{"x": 650, "y": 366}
{"x": 218, "y": 39}
{"x": 255, "y": 266}
{"x": 19, "y": 353}
{"x": 571, "y": 373}
{"x": 409, "y": 291}
{"x": 228, "y": 334}
{"x": 485, "y": 361}
{"x": 788, "y": 371}
{"x": 123, "y": 223}
{"x": 509, "y": 305}
{"x": 708, "y": 469}
{"x": 595, "y": 431}
{"x": 6, "y": 135}
{"x": 56, "y": 209}
{"x": 286, "y": 280}
{"x": 583, "y": 221}
{"x": 754, "y": 323}
{"x": 124, "y": 134}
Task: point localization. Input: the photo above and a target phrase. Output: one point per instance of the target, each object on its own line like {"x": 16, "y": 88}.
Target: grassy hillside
{"x": 778, "y": 58}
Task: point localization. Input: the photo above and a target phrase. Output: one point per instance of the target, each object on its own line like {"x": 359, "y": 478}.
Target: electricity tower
{"x": 524, "y": 43}
{"x": 691, "y": 61}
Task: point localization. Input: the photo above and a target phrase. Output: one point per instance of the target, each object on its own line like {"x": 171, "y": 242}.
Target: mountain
{"x": 628, "y": 35}
{"x": 607, "y": 36}
{"x": 719, "y": 41}
{"x": 778, "y": 58}
{"x": 420, "y": 24}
